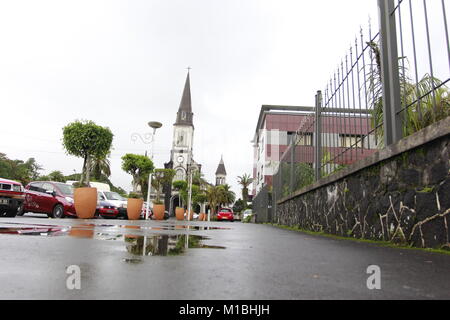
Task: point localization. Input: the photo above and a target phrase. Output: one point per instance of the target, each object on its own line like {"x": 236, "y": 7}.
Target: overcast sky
{"x": 123, "y": 63}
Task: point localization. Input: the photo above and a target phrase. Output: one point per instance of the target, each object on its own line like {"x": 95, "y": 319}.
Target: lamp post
{"x": 154, "y": 125}
{"x": 148, "y": 138}
{"x": 190, "y": 191}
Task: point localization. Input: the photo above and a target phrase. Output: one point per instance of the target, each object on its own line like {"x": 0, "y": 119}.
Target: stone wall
{"x": 400, "y": 194}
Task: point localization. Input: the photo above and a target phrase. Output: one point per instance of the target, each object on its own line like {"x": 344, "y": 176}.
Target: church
{"x": 181, "y": 154}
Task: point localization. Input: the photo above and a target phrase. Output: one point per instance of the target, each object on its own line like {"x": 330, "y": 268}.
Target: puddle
{"x": 137, "y": 245}
{"x": 132, "y": 260}
{"x": 36, "y": 231}
{"x": 170, "y": 227}
{"x": 163, "y": 227}
{"x": 164, "y": 245}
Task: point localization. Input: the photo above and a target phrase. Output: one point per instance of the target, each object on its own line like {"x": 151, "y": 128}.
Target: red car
{"x": 53, "y": 198}
{"x": 225, "y": 214}
{"x": 11, "y": 197}
{"x": 106, "y": 209}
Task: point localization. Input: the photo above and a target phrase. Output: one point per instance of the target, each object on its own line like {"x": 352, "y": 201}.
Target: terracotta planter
{"x": 158, "y": 211}
{"x": 131, "y": 236}
{"x": 134, "y": 208}
{"x": 201, "y": 217}
{"x": 82, "y": 231}
{"x": 85, "y": 201}
{"x": 191, "y": 216}
{"x": 179, "y": 213}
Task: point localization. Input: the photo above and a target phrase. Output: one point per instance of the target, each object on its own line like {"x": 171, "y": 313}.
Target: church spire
{"x": 184, "y": 114}
{"x": 221, "y": 173}
{"x": 221, "y": 167}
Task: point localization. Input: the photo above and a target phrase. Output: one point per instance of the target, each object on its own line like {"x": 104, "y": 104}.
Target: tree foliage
{"x": 100, "y": 167}
{"x": 425, "y": 103}
{"x": 245, "y": 181}
{"x": 160, "y": 178}
{"x": 239, "y": 206}
{"x": 227, "y": 196}
{"x": 139, "y": 166}
{"x": 54, "y": 176}
{"x": 19, "y": 170}
{"x": 85, "y": 139}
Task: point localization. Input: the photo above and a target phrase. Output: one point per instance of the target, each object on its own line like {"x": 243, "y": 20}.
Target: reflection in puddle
{"x": 36, "y": 231}
{"x": 91, "y": 225}
{"x": 138, "y": 245}
{"x": 132, "y": 260}
{"x": 164, "y": 245}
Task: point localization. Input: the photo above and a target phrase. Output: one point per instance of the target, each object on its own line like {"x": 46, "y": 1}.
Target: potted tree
{"x": 139, "y": 166}
{"x": 160, "y": 178}
{"x": 134, "y": 206}
{"x": 85, "y": 139}
{"x": 180, "y": 186}
{"x": 215, "y": 197}
{"x": 184, "y": 194}
{"x": 201, "y": 199}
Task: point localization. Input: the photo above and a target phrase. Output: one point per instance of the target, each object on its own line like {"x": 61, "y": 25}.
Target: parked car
{"x": 225, "y": 214}
{"x": 144, "y": 210}
{"x": 247, "y": 213}
{"x": 52, "y": 198}
{"x": 11, "y": 198}
{"x": 116, "y": 200}
{"x": 106, "y": 209}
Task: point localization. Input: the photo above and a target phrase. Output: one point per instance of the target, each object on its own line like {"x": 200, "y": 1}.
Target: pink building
{"x": 278, "y": 125}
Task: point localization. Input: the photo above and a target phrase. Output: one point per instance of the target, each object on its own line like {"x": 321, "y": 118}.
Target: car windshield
{"x": 65, "y": 189}
{"x": 113, "y": 196}
{"x": 226, "y": 210}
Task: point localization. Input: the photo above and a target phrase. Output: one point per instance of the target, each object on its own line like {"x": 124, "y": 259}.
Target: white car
{"x": 113, "y": 197}
{"x": 247, "y": 213}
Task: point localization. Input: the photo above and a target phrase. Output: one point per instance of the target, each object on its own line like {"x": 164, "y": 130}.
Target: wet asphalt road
{"x": 236, "y": 261}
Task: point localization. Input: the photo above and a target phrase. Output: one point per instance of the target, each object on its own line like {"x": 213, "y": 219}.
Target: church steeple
{"x": 184, "y": 114}
{"x": 221, "y": 173}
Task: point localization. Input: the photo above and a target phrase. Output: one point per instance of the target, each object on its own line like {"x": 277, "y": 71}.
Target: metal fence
{"x": 262, "y": 205}
{"x": 372, "y": 100}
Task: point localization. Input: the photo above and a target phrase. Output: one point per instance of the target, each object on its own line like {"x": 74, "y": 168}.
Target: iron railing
{"x": 371, "y": 100}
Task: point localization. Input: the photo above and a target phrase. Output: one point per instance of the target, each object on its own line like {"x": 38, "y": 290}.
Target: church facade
{"x": 181, "y": 154}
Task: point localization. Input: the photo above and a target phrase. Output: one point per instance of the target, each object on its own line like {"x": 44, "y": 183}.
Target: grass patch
{"x": 375, "y": 242}
{"x": 426, "y": 190}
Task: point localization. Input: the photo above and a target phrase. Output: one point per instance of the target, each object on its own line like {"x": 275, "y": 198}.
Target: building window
{"x": 290, "y": 136}
{"x": 353, "y": 141}
{"x": 179, "y": 175}
{"x": 304, "y": 139}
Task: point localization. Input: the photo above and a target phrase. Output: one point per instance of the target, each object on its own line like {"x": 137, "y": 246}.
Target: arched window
{"x": 179, "y": 175}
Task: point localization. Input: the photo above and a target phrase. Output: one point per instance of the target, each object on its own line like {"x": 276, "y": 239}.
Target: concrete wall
{"x": 399, "y": 194}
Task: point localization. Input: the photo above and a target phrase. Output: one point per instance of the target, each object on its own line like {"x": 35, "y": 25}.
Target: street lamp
{"x": 154, "y": 125}
{"x": 190, "y": 191}
{"x": 148, "y": 138}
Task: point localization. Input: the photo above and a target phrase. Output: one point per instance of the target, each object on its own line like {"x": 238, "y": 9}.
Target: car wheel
{"x": 58, "y": 211}
{"x": 21, "y": 210}
{"x": 11, "y": 213}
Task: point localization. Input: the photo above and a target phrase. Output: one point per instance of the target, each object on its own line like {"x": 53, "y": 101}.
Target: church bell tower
{"x": 183, "y": 134}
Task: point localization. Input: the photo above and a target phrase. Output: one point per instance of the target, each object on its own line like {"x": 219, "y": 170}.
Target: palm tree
{"x": 227, "y": 196}
{"x": 245, "y": 181}
{"x": 198, "y": 179}
{"x": 100, "y": 167}
{"x": 422, "y": 110}
{"x": 214, "y": 197}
